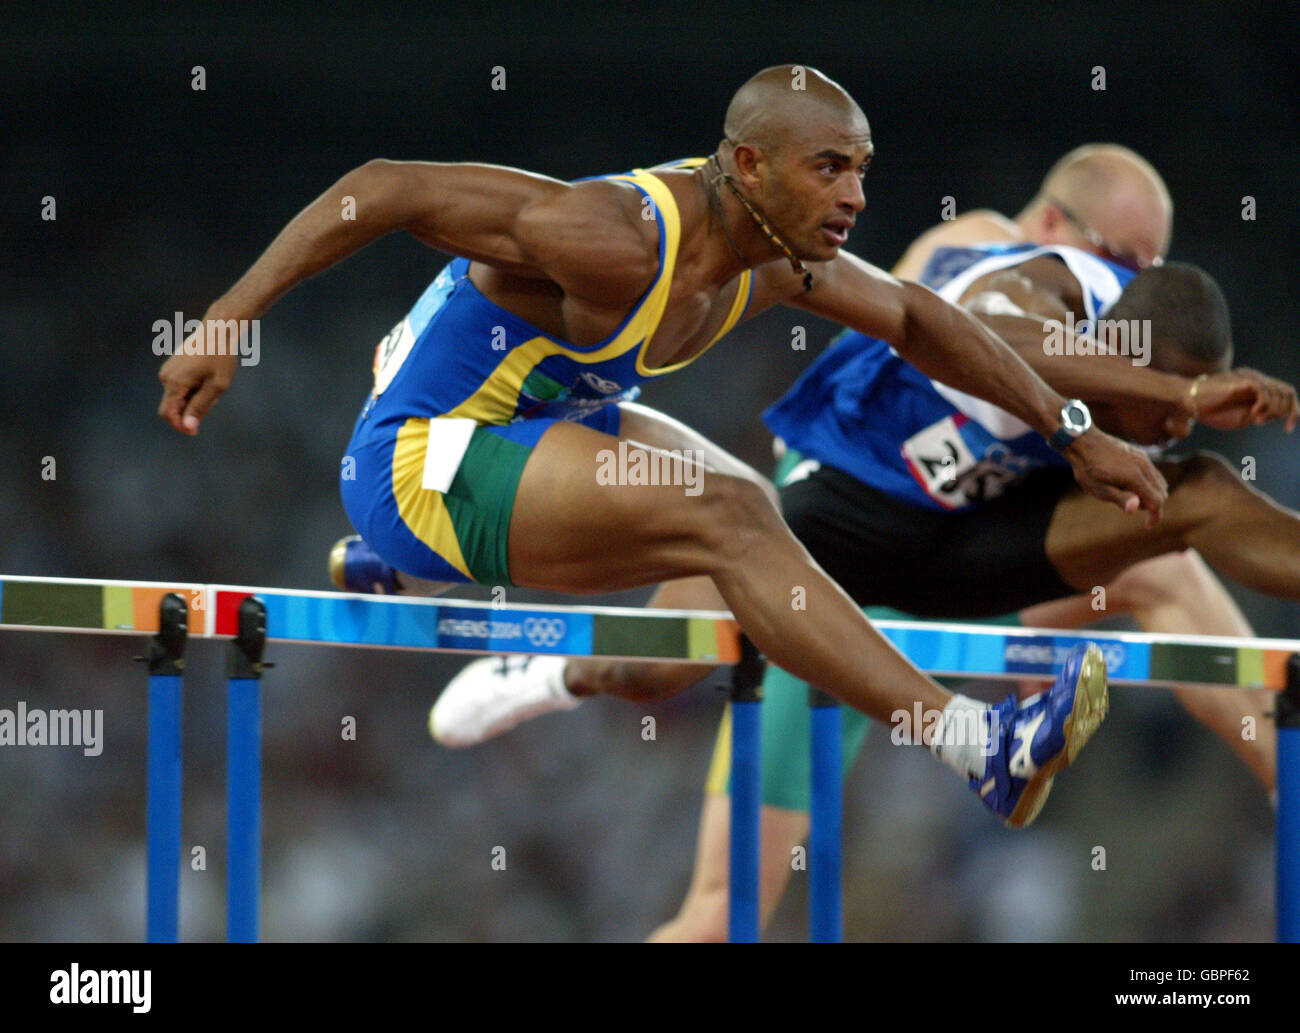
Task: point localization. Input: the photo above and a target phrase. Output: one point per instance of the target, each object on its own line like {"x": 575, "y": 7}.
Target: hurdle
{"x": 172, "y": 613}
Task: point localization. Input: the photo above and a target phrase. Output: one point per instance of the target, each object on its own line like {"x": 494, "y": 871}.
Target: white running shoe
{"x": 493, "y": 695}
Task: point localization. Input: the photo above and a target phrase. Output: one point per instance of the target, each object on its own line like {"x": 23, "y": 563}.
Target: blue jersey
{"x": 862, "y": 409}
{"x": 457, "y": 354}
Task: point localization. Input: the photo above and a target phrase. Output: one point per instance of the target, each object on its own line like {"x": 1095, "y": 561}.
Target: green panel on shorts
{"x": 480, "y": 501}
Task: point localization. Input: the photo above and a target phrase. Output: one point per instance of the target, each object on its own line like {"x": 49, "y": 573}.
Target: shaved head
{"x": 779, "y": 102}
{"x": 1088, "y": 175}
{"x": 1115, "y": 193}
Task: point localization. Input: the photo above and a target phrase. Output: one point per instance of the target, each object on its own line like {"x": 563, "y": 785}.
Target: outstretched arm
{"x": 1026, "y": 312}
{"x": 580, "y": 236}
{"x": 951, "y": 346}
{"x": 1016, "y": 302}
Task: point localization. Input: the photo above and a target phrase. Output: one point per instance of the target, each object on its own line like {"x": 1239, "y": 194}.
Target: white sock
{"x": 961, "y": 736}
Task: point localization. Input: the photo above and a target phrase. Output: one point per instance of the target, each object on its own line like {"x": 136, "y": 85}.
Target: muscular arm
{"x": 1094, "y": 378}
{"x": 1023, "y": 306}
{"x": 523, "y": 223}
{"x": 1015, "y": 303}
{"x": 1019, "y": 304}
{"x": 942, "y": 341}
{"x": 582, "y": 237}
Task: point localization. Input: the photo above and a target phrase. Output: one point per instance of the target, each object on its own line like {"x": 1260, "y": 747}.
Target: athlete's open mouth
{"x": 837, "y": 231}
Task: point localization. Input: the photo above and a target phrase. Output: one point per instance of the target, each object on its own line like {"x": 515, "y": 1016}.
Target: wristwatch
{"x": 1075, "y": 421}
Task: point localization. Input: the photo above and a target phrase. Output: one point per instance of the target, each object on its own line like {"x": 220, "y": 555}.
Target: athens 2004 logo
{"x": 544, "y": 631}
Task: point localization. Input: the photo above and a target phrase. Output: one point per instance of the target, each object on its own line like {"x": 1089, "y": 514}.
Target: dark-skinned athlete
{"x": 476, "y": 456}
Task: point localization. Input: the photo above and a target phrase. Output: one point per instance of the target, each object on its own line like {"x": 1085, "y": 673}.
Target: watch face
{"x": 1075, "y": 416}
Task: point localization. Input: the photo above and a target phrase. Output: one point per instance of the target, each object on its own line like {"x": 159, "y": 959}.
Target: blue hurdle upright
{"x": 824, "y": 845}
{"x": 244, "y": 666}
{"x": 827, "y": 814}
{"x": 166, "y": 660}
{"x": 1287, "y": 715}
{"x": 746, "y": 795}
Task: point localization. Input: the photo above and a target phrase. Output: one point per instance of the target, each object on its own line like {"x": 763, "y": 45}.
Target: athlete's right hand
{"x": 193, "y": 383}
{"x": 1115, "y": 471}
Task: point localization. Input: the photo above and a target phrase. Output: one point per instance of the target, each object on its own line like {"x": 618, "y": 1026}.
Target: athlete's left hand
{"x": 1115, "y": 471}
{"x": 1242, "y": 397}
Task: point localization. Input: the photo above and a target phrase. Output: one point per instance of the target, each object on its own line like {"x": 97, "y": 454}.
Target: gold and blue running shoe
{"x": 355, "y": 567}
{"x": 1033, "y": 739}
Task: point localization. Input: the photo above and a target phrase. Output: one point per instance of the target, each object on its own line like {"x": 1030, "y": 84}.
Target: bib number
{"x": 948, "y": 470}
{"x": 391, "y": 353}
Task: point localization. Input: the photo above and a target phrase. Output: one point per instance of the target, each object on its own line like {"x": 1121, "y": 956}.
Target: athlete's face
{"x": 1149, "y": 424}
{"x": 813, "y": 191}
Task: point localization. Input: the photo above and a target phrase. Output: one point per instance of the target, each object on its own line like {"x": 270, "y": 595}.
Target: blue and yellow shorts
{"x": 434, "y": 497}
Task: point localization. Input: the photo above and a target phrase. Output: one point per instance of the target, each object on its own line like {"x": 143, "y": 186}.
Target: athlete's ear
{"x": 1051, "y": 222}
{"x": 748, "y": 161}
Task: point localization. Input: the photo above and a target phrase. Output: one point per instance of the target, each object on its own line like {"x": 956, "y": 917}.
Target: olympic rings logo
{"x": 598, "y": 383}
{"x": 1114, "y": 654}
{"x": 544, "y": 631}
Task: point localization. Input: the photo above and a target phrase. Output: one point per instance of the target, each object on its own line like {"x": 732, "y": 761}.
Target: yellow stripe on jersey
{"x": 738, "y": 304}
{"x": 684, "y": 163}
{"x": 495, "y": 400}
{"x": 423, "y": 511}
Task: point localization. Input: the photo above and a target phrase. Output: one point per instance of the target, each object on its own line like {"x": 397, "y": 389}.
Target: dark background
{"x": 165, "y": 195}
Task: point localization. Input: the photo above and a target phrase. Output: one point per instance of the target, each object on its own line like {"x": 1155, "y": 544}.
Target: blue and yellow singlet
{"x": 465, "y": 388}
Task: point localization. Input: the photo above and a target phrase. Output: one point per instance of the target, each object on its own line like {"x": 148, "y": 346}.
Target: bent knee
{"x": 736, "y": 517}
{"x": 1203, "y": 486}
{"x": 729, "y": 466}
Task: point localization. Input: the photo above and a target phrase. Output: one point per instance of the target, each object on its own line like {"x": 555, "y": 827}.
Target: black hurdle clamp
{"x": 166, "y": 653}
